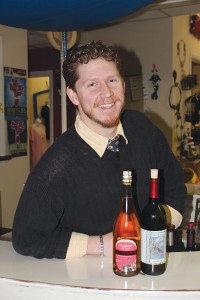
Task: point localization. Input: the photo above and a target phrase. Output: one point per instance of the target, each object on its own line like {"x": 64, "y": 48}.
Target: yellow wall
{"x": 13, "y": 173}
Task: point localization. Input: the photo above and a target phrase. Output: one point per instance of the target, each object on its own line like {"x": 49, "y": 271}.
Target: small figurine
{"x": 155, "y": 80}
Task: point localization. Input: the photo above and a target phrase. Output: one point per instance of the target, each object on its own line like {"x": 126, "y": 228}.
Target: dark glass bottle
{"x": 153, "y": 232}
{"x": 190, "y": 236}
{"x": 126, "y": 233}
{"x": 170, "y": 237}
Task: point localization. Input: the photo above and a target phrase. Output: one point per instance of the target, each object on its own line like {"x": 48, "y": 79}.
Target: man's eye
{"x": 92, "y": 84}
{"x": 113, "y": 80}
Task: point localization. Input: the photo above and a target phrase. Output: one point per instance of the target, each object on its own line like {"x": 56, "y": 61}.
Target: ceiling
{"x": 160, "y": 9}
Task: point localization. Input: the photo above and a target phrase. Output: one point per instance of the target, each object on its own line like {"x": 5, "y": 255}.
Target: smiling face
{"x": 99, "y": 95}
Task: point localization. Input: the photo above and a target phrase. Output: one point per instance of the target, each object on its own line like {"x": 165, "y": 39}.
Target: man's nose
{"x": 106, "y": 90}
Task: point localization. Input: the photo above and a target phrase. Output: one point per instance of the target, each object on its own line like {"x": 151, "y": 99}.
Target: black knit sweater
{"x": 72, "y": 189}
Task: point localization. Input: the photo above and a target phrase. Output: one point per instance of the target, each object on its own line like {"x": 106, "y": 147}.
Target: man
{"x": 72, "y": 195}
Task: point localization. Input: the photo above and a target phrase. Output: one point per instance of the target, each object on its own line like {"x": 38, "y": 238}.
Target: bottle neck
{"x": 154, "y": 192}
{"x": 127, "y": 189}
{"x": 127, "y": 198}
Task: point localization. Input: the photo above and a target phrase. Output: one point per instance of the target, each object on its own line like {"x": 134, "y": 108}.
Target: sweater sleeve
{"x": 172, "y": 187}
{"x": 149, "y": 149}
{"x": 77, "y": 246}
{"x": 173, "y": 216}
{"x": 37, "y": 226}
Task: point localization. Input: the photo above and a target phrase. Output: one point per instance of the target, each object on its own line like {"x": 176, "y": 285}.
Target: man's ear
{"x": 124, "y": 86}
{"x": 72, "y": 96}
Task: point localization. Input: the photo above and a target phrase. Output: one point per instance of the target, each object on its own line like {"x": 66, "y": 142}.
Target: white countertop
{"x": 86, "y": 275}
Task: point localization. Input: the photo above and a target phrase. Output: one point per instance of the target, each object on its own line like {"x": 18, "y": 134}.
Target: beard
{"x": 110, "y": 122}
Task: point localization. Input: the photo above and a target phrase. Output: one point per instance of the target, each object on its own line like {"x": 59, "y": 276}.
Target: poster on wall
{"x": 15, "y": 110}
{"x": 17, "y": 137}
{"x": 15, "y": 94}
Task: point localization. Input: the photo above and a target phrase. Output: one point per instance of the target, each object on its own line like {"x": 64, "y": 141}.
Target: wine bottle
{"x": 153, "y": 232}
{"x": 190, "y": 236}
{"x": 170, "y": 237}
{"x": 126, "y": 233}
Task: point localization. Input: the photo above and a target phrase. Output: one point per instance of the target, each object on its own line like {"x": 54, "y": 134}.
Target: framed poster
{"x": 15, "y": 94}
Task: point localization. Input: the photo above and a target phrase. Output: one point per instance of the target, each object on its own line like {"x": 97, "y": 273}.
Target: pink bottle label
{"x": 126, "y": 255}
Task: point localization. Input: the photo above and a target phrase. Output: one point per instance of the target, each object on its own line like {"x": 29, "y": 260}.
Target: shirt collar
{"x": 96, "y": 141}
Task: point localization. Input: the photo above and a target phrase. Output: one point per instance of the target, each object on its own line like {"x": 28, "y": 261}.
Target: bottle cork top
{"x": 154, "y": 173}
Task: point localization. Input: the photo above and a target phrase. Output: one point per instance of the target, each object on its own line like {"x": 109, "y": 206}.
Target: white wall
{"x": 13, "y": 173}
{"x": 151, "y": 43}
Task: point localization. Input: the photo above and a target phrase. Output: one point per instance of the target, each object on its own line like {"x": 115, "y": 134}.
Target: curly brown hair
{"x": 82, "y": 55}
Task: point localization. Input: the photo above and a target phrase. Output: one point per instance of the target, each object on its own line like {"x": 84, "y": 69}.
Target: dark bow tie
{"x": 113, "y": 144}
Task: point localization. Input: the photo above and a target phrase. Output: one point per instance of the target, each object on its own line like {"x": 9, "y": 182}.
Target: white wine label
{"x": 153, "y": 246}
{"x": 126, "y": 255}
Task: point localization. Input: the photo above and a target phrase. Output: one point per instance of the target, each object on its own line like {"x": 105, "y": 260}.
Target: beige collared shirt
{"x": 78, "y": 242}
{"x": 96, "y": 141}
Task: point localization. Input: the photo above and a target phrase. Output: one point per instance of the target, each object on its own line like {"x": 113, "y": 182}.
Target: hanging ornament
{"x": 195, "y": 26}
{"x": 155, "y": 78}
{"x": 55, "y": 39}
{"x": 181, "y": 52}
{"x": 175, "y": 96}
{"x": 175, "y": 92}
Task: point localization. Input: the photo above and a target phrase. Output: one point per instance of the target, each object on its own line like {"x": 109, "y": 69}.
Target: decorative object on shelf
{"x": 195, "y": 26}
{"x": 180, "y": 133}
{"x": 155, "y": 78}
{"x": 188, "y": 82}
{"x": 192, "y": 104}
{"x": 191, "y": 142}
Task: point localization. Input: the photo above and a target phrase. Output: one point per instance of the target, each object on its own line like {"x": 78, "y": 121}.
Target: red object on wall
{"x": 195, "y": 26}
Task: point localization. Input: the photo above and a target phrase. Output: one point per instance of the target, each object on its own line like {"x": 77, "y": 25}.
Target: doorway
{"x": 40, "y": 114}
{"x": 40, "y": 93}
